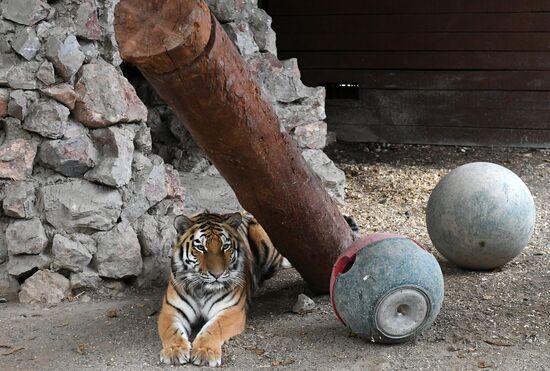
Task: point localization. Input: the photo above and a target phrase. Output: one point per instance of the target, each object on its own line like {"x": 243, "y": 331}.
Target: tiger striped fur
{"x": 217, "y": 264}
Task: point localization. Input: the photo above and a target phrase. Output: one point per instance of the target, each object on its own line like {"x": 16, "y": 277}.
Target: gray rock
{"x": 86, "y": 21}
{"x": 268, "y": 70}
{"x": 69, "y": 254}
{"x": 303, "y": 305}
{"x": 302, "y": 111}
{"x": 147, "y": 189}
{"x": 65, "y": 55}
{"x": 23, "y": 75}
{"x": 80, "y": 206}
{"x": 155, "y": 272}
{"x": 43, "y": 29}
{"x": 62, "y": 93}
{"x": 60, "y": 27}
{"x": 18, "y": 104}
{"x": 75, "y": 129}
{"x": 332, "y": 178}
{"x": 106, "y": 97}
{"x": 228, "y": 10}
{"x": 175, "y": 191}
{"x": 26, "y": 43}
{"x": 44, "y": 176}
{"x": 27, "y": 12}
{"x": 6, "y": 26}
{"x": 210, "y": 192}
{"x": 112, "y": 287}
{"x": 87, "y": 279}
{"x": 311, "y": 135}
{"x": 3, "y": 244}
{"x": 47, "y": 118}
{"x": 17, "y": 152}
{"x": 109, "y": 46}
{"x": 44, "y": 287}
{"x": 84, "y": 298}
{"x": 86, "y": 240}
{"x": 7, "y": 61}
{"x": 72, "y": 157}
{"x": 116, "y": 145}
{"x": 177, "y": 128}
{"x": 13, "y": 129}
{"x": 143, "y": 141}
{"x": 166, "y": 208}
{"x": 118, "y": 252}
{"x": 280, "y": 81}
{"x": 260, "y": 24}
{"x": 156, "y": 235}
{"x": 26, "y": 237}
{"x": 242, "y": 37}
{"x": 46, "y": 73}
{"x": 19, "y": 200}
{"x": 146, "y": 228}
{"x": 21, "y": 265}
{"x": 4, "y": 102}
{"x": 8, "y": 284}
{"x": 5, "y": 49}
{"x": 90, "y": 51}
{"x": 190, "y": 161}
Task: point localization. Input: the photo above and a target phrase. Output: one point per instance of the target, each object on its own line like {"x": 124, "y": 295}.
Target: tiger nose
{"x": 216, "y": 275}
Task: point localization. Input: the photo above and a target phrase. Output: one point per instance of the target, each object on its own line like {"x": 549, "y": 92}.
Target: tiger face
{"x": 207, "y": 255}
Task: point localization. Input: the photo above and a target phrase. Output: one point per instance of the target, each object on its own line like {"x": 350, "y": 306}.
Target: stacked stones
{"x": 300, "y": 109}
{"x": 85, "y": 202}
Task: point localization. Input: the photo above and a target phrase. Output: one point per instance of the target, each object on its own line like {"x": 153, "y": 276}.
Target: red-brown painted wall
{"x": 445, "y": 72}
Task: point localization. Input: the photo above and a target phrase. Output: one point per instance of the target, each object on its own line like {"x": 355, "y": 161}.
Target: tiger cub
{"x": 217, "y": 264}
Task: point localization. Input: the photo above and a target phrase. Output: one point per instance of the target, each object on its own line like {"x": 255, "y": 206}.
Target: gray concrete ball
{"x": 480, "y": 216}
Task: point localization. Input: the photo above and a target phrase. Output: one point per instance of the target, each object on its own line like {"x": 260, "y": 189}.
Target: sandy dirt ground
{"x": 489, "y": 320}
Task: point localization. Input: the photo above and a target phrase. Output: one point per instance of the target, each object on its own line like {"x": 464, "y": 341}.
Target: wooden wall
{"x": 471, "y": 72}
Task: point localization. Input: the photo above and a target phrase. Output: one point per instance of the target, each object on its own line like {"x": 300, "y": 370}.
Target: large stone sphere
{"x": 480, "y": 216}
{"x": 386, "y": 288}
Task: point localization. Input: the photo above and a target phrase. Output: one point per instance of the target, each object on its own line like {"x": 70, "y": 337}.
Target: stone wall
{"x": 84, "y": 200}
{"x": 89, "y": 180}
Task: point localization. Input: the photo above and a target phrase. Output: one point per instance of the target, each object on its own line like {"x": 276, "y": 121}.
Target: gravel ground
{"x": 495, "y": 320}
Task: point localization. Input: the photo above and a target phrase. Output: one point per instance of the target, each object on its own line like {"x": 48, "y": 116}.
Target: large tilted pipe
{"x": 192, "y": 64}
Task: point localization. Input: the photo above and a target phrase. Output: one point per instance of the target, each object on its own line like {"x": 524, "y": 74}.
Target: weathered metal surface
{"x": 387, "y": 288}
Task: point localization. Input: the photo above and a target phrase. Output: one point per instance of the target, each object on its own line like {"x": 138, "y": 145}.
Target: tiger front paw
{"x": 206, "y": 356}
{"x": 175, "y": 354}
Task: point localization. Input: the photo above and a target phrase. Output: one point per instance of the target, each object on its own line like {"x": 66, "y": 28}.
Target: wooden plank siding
{"x": 329, "y": 7}
{"x": 429, "y": 71}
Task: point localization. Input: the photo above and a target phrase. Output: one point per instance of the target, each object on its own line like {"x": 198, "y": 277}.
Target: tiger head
{"x": 208, "y": 254}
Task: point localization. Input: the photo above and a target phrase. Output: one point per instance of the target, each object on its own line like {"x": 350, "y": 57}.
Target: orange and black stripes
{"x": 217, "y": 264}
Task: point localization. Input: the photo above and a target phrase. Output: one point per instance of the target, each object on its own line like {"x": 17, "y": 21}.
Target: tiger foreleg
{"x": 174, "y": 328}
{"x": 207, "y": 347}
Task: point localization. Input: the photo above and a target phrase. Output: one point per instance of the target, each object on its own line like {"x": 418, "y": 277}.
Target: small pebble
{"x": 304, "y": 304}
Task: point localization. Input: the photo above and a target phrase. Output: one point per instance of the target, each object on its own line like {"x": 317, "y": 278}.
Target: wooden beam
{"x": 323, "y": 7}
{"x": 192, "y": 64}
{"x": 426, "y": 60}
{"x": 433, "y": 80}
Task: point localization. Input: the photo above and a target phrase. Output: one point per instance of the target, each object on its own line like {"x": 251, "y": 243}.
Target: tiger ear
{"x": 234, "y": 220}
{"x": 182, "y": 223}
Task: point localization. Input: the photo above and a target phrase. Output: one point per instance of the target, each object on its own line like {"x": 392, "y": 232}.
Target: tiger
{"x": 217, "y": 264}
